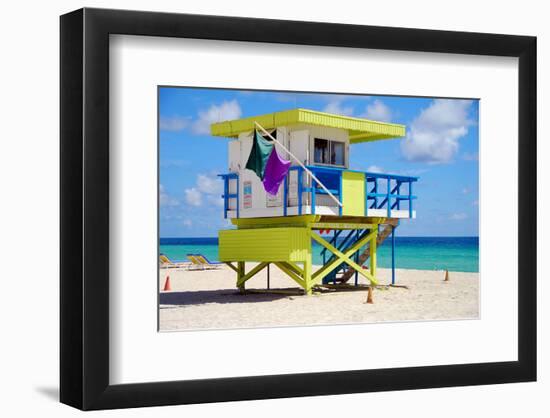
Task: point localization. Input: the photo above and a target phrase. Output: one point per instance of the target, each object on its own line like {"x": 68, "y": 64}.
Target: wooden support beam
{"x": 244, "y": 277}
{"x": 285, "y": 268}
{"x": 343, "y": 257}
{"x": 308, "y": 279}
{"x": 372, "y": 247}
{"x": 341, "y": 225}
{"x": 295, "y": 268}
{"x": 240, "y": 274}
{"x": 230, "y": 264}
{"x": 365, "y": 255}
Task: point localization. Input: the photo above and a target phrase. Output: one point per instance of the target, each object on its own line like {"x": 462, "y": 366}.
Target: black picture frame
{"x": 84, "y": 284}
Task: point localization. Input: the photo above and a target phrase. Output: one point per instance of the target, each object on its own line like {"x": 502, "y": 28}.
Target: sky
{"x": 441, "y": 148}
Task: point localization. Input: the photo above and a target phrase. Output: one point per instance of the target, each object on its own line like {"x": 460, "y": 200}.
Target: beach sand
{"x": 208, "y": 299}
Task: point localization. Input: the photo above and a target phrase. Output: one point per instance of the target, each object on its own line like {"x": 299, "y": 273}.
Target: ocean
{"x": 421, "y": 253}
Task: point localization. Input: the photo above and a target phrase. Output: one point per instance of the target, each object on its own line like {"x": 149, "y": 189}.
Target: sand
{"x": 208, "y": 299}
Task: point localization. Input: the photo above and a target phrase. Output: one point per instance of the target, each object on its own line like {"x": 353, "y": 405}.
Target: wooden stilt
{"x": 307, "y": 277}
{"x": 369, "y": 295}
{"x": 240, "y": 275}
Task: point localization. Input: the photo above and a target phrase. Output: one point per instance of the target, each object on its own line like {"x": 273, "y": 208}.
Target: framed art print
{"x": 261, "y": 209}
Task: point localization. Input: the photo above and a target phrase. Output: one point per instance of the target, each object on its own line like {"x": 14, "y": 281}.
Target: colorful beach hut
{"x": 289, "y": 184}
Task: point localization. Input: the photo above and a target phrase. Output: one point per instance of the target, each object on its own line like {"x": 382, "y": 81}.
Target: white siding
{"x": 234, "y": 152}
{"x": 299, "y": 146}
{"x": 299, "y": 139}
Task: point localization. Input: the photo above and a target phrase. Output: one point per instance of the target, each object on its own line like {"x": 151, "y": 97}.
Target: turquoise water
{"x": 422, "y": 253}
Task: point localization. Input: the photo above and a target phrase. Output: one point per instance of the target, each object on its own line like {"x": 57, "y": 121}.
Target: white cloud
{"x": 465, "y": 190}
{"x": 187, "y": 222}
{"x": 378, "y": 111}
{"x": 227, "y": 110}
{"x": 208, "y": 189}
{"x": 209, "y": 184}
{"x": 434, "y": 135}
{"x": 173, "y": 124}
{"x": 193, "y": 197}
{"x": 165, "y": 199}
{"x": 212, "y": 187}
{"x": 374, "y": 169}
{"x": 458, "y": 216}
{"x": 337, "y": 108}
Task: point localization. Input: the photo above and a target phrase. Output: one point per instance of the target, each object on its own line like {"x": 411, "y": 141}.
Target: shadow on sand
{"x": 217, "y": 296}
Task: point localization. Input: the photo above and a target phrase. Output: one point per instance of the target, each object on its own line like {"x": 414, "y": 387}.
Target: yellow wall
{"x": 264, "y": 244}
{"x": 353, "y": 189}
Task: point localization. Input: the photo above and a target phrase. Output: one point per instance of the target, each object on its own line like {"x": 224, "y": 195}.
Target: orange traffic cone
{"x": 167, "y": 286}
{"x": 369, "y": 295}
{"x": 446, "y": 276}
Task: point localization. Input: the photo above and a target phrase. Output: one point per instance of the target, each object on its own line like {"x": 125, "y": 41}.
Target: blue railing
{"x": 391, "y": 199}
{"x": 226, "y": 196}
{"x": 398, "y": 189}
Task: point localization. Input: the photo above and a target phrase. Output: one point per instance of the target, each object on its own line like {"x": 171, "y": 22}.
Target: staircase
{"x": 347, "y": 272}
{"x": 340, "y": 245}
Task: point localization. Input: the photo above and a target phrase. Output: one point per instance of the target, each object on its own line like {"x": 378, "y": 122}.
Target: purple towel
{"x": 276, "y": 170}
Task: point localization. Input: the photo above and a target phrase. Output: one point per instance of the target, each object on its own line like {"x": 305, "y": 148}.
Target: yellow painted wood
{"x": 309, "y": 282}
{"x": 359, "y": 129}
{"x": 344, "y": 257}
{"x": 247, "y": 276}
{"x": 290, "y": 273}
{"x": 295, "y": 268}
{"x": 266, "y": 244}
{"x": 240, "y": 274}
{"x": 353, "y": 193}
{"x": 373, "y": 254}
{"x": 235, "y": 269}
{"x": 279, "y": 221}
{"x": 341, "y": 225}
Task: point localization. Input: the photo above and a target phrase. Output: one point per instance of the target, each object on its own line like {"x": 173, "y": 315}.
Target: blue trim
{"x": 357, "y": 234}
{"x": 389, "y": 200}
{"x": 300, "y": 190}
{"x": 226, "y": 195}
{"x": 238, "y": 198}
{"x": 366, "y": 197}
{"x": 225, "y": 200}
{"x": 313, "y": 189}
{"x": 411, "y": 199}
{"x": 340, "y": 194}
{"x": 285, "y": 196}
{"x": 393, "y": 255}
{"x": 375, "y": 190}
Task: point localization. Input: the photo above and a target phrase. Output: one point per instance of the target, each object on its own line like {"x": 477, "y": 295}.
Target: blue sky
{"x": 441, "y": 147}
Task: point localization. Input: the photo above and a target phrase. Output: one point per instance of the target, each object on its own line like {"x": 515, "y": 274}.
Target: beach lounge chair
{"x": 165, "y": 262}
{"x": 211, "y": 264}
{"x": 199, "y": 261}
{"x": 195, "y": 262}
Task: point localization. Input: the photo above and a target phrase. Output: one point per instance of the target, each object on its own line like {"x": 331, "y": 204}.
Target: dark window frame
{"x": 329, "y": 159}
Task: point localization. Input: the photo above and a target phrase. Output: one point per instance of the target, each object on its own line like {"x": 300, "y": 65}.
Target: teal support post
{"x": 393, "y": 255}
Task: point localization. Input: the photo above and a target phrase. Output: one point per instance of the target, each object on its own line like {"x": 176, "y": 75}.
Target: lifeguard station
{"x": 321, "y": 195}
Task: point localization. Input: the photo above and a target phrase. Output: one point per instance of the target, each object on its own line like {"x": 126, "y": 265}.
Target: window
{"x": 337, "y": 153}
{"x": 321, "y": 151}
{"x": 329, "y": 152}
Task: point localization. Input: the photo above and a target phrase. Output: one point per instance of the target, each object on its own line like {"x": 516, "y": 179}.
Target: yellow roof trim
{"x": 359, "y": 129}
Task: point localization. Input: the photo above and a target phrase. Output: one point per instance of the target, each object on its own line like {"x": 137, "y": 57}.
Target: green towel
{"x": 259, "y": 154}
